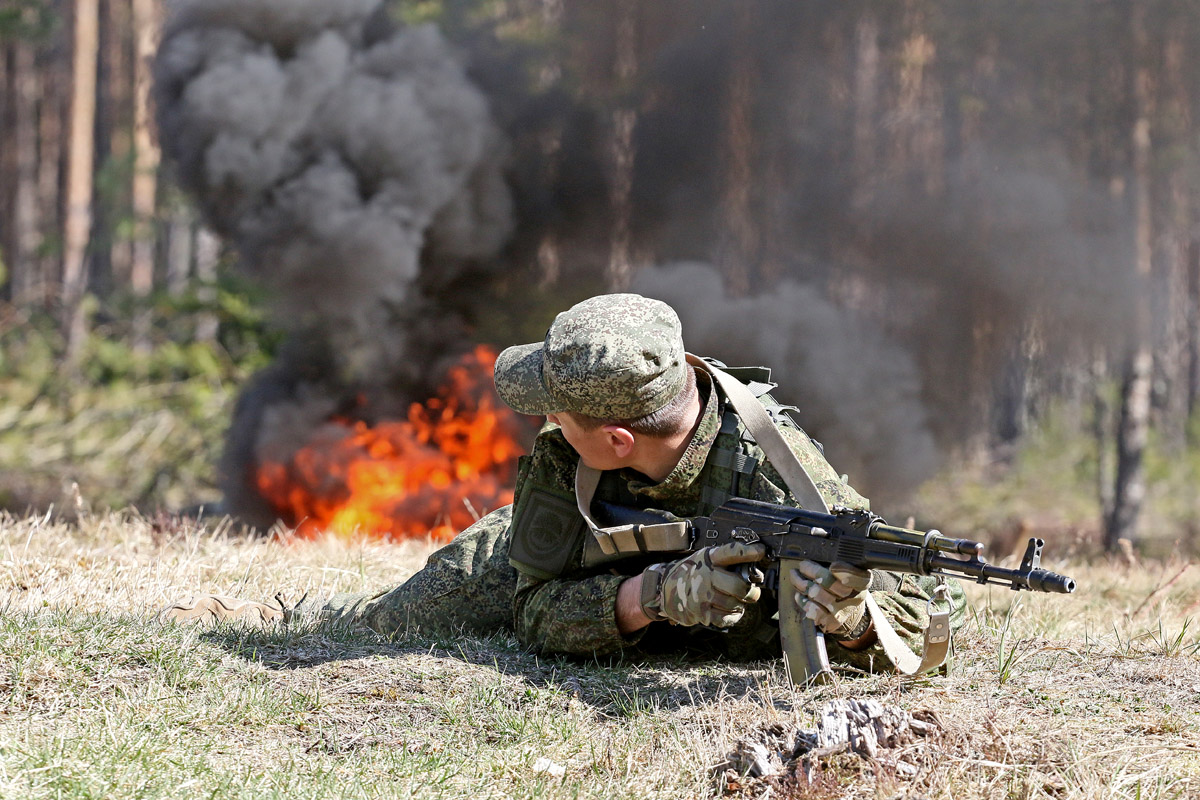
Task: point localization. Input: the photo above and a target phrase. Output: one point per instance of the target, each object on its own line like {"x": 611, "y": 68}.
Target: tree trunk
{"x": 208, "y": 254}
{"x": 1129, "y": 490}
{"x": 918, "y": 138}
{"x": 117, "y": 94}
{"x": 145, "y": 166}
{"x": 77, "y": 227}
{"x": 622, "y": 148}
{"x": 549, "y": 258}
{"x": 866, "y": 108}
{"x": 737, "y": 241}
{"x": 1170, "y": 282}
{"x": 1102, "y": 432}
{"x": 180, "y": 238}
{"x": 6, "y": 160}
{"x": 51, "y": 111}
{"x": 1193, "y": 293}
{"x": 22, "y": 260}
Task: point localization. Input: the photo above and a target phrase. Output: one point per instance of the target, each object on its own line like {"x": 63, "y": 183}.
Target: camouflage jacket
{"x": 575, "y": 612}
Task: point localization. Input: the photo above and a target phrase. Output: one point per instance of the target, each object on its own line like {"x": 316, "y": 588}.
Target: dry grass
{"x": 1094, "y": 695}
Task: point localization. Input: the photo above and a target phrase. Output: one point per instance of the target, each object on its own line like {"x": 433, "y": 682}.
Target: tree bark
{"x": 180, "y": 235}
{"x": 208, "y": 254}
{"x": 80, "y": 164}
{"x": 622, "y": 148}
{"x": 22, "y": 260}
{"x": 1193, "y": 292}
{"x": 1170, "y": 281}
{"x": 51, "y": 112}
{"x": 738, "y": 238}
{"x": 117, "y": 94}
{"x": 145, "y": 165}
{"x": 1129, "y": 489}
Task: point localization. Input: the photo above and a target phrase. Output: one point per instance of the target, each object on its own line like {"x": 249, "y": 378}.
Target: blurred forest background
{"x": 1000, "y": 201}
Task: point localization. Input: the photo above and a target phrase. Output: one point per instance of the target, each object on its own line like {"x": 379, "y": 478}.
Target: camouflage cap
{"x": 616, "y": 356}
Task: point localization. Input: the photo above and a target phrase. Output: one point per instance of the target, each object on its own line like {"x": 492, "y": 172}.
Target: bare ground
{"x": 1091, "y": 695}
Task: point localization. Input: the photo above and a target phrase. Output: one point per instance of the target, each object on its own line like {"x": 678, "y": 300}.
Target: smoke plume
{"x": 356, "y": 170}
{"x": 860, "y": 390}
{"x": 333, "y": 150}
{"x": 389, "y": 189}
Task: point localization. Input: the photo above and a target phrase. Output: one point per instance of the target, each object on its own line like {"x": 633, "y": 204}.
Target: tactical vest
{"x": 548, "y": 533}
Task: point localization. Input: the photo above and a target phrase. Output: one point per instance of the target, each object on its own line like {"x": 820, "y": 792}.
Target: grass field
{"x": 1091, "y": 695}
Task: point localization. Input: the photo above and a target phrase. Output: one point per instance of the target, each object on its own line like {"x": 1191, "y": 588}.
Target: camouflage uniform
{"x": 575, "y": 613}
{"x": 468, "y": 585}
{"x": 617, "y": 356}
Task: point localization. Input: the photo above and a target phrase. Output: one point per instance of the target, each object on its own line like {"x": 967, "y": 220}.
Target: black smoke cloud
{"x": 337, "y": 153}
{"x": 848, "y": 379}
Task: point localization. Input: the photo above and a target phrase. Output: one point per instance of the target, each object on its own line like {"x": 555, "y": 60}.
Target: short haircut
{"x": 667, "y": 421}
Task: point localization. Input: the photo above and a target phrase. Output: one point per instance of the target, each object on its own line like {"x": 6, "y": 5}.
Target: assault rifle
{"x": 852, "y": 536}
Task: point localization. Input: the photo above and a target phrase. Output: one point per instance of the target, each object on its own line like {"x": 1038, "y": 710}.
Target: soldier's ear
{"x": 619, "y": 439}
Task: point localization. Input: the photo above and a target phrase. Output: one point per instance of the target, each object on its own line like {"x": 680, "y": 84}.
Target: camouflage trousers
{"x": 468, "y": 585}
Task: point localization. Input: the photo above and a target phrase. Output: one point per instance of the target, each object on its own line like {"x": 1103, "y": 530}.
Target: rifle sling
{"x": 663, "y": 537}
{"x": 763, "y": 429}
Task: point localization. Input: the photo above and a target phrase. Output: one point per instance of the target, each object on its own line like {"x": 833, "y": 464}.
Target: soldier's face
{"x": 596, "y": 448}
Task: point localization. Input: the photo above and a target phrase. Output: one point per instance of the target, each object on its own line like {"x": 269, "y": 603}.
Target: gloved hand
{"x": 701, "y": 589}
{"x": 834, "y": 597}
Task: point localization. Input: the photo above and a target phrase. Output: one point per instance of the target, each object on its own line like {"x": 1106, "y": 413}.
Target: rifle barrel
{"x": 1036, "y": 579}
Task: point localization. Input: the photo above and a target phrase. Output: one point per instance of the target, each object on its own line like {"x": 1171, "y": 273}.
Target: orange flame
{"x": 453, "y": 459}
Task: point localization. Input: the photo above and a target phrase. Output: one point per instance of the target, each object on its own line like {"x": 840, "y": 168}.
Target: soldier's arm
{"x": 578, "y": 611}
{"x": 572, "y": 616}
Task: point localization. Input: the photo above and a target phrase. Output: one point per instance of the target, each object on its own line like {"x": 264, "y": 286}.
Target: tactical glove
{"x": 833, "y": 597}
{"x": 700, "y": 589}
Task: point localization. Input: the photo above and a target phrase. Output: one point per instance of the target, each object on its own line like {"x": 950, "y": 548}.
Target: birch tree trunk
{"x": 208, "y": 254}
{"x": 180, "y": 236}
{"x": 77, "y": 227}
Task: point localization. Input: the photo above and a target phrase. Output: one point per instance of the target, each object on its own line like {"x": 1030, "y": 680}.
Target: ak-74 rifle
{"x": 851, "y": 536}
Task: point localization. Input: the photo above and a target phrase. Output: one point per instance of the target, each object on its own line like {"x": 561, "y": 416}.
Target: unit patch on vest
{"x": 545, "y": 535}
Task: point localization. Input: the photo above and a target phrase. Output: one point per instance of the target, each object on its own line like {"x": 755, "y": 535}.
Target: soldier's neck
{"x": 656, "y": 457}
